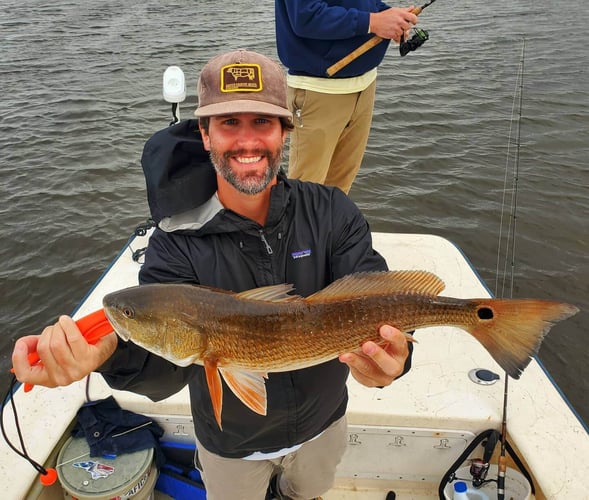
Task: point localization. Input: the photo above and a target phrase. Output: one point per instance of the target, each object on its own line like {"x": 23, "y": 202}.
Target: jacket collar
{"x": 212, "y": 217}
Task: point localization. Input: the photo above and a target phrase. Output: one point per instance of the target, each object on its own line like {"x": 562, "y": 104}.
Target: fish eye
{"x": 128, "y": 312}
{"x": 485, "y": 313}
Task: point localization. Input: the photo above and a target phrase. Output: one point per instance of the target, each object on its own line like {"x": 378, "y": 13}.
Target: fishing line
{"x": 509, "y": 253}
{"x": 511, "y": 230}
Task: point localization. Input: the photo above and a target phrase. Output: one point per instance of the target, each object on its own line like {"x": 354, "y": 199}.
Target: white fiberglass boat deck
{"x": 402, "y": 438}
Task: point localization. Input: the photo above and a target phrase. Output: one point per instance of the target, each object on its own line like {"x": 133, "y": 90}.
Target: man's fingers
{"x": 20, "y": 354}
{"x": 379, "y": 364}
{"x": 396, "y": 338}
{"x": 64, "y": 355}
{"x": 364, "y": 369}
{"x": 72, "y": 335}
{"x": 378, "y": 355}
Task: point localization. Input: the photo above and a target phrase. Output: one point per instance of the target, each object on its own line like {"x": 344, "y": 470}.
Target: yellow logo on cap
{"x": 241, "y": 78}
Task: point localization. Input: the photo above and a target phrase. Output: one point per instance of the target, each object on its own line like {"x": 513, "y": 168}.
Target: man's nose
{"x": 247, "y": 136}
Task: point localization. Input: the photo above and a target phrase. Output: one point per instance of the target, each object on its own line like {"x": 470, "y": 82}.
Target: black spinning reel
{"x": 417, "y": 40}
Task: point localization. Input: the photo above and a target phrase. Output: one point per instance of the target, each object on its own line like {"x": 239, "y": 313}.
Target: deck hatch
{"x": 396, "y": 453}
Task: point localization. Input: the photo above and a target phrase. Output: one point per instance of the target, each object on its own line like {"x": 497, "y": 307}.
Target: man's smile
{"x": 248, "y": 159}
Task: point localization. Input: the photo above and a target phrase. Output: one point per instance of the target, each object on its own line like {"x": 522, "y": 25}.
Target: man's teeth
{"x": 249, "y": 159}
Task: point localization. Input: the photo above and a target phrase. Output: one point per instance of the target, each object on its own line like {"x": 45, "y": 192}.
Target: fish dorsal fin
{"x": 381, "y": 283}
{"x": 272, "y": 293}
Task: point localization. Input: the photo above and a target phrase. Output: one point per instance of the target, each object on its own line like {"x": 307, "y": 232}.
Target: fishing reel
{"x": 478, "y": 470}
{"x": 417, "y": 40}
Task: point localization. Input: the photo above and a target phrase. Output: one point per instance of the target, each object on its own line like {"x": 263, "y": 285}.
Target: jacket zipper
{"x": 266, "y": 244}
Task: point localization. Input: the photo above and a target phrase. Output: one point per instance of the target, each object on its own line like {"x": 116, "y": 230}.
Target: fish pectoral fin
{"x": 249, "y": 387}
{"x": 215, "y": 389}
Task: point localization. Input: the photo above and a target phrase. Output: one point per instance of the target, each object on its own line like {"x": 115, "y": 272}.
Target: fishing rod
{"x": 479, "y": 467}
{"x": 419, "y": 38}
{"x": 510, "y": 239}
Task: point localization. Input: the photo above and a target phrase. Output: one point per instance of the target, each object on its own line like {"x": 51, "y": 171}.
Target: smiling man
{"x": 257, "y": 229}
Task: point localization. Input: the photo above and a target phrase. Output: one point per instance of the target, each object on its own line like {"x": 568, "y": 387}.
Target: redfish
{"x": 242, "y": 337}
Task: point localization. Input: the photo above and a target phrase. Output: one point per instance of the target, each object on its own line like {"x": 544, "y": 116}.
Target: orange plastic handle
{"x": 93, "y": 326}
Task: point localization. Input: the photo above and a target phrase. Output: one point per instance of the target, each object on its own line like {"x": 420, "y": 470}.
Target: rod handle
{"x": 356, "y": 53}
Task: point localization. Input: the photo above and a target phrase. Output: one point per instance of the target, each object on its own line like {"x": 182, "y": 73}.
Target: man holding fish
{"x": 258, "y": 229}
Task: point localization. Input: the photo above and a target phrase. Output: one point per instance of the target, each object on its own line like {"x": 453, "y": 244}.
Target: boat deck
{"x": 402, "y": 438}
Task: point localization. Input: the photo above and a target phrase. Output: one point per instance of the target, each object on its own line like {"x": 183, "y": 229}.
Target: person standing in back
{"x": 332, "y": 116}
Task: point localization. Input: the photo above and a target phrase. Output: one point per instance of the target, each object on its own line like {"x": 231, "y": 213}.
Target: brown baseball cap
{"x": 242, "y": 82}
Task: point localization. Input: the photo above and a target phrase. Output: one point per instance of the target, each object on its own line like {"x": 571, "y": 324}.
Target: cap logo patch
{"x": 241, "y": 78}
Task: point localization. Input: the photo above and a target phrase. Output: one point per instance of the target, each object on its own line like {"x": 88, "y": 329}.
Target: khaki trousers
{"x": 330, "y": 135}
{"x": 303, "y": 474}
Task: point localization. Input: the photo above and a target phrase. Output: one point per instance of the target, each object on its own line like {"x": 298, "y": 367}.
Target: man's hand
{"x": 64, "y": 353}
{"x": 378, "y": 365}
{"x": 392, "y": 23}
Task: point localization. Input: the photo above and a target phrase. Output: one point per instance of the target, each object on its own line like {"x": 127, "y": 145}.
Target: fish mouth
{"x": 114, "y": 313}
{"x": 120, "y": 331}
{"x": 123, "y": 334}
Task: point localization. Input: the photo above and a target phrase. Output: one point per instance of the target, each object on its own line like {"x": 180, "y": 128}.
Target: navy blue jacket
{"x": 312, "y": 35}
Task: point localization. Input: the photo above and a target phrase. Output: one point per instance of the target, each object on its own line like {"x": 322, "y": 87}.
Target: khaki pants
{"x": 306, "y": 473}
{"x": 330, "y": 135}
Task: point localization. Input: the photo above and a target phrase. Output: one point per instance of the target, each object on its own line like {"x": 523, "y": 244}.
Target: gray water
{"x": 80, "y": 89}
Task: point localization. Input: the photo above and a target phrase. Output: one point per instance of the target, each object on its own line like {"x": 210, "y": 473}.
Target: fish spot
{"x": 485, "y": 313}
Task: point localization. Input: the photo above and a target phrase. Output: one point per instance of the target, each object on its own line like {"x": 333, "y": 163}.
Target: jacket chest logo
{"x": 301, "y": 254}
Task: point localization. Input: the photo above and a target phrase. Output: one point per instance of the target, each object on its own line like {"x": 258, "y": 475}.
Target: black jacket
{"x": 313, "y": 235}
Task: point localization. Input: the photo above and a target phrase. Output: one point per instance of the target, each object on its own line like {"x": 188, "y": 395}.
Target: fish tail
{"x": 512, "y": 329}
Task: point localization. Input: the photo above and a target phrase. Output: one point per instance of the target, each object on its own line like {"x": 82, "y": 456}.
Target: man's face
{"x": 246, "y": 149}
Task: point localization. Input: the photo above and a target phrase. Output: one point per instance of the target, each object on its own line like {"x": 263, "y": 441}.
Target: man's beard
{"x": 247, "y": 183}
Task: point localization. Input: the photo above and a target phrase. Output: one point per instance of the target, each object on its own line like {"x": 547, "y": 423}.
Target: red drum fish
{"x": 242, "y": 337}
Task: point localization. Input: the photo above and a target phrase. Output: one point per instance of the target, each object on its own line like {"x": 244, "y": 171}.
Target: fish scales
{"x": 242, "y": 337}
{"x": 275, "y": 336}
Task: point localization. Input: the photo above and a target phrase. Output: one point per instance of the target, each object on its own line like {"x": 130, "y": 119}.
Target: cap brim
{"x": 242, "y": 106}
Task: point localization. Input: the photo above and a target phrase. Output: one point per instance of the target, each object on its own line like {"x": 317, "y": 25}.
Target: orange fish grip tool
{"x": 93, "y": 327}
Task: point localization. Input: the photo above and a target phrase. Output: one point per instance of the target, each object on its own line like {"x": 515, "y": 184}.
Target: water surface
{"x": 81, "y": 92}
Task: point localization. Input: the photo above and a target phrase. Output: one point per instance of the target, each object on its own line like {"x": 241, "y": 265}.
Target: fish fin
{"x": 272, "y": 293}
{"x": 380, "y": 283}
{"x": 513, "y": 329}
{"x": 215, "y": 388}
{"x": 249, "y": 387}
